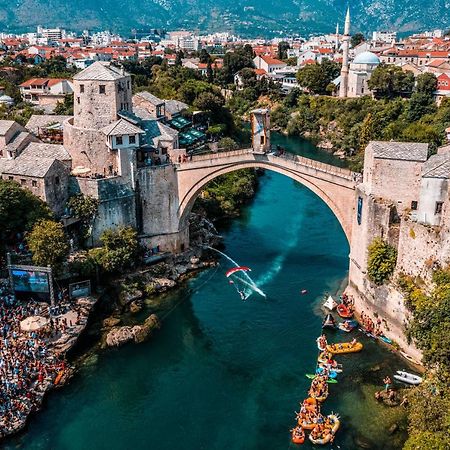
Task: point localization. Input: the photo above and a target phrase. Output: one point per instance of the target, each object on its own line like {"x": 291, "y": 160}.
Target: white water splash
{"x": 249, "y": 282}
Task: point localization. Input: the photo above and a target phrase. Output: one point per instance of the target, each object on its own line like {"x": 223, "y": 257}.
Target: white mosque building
{"x": 354, "y": 75}
{"x": 360, "y": 72}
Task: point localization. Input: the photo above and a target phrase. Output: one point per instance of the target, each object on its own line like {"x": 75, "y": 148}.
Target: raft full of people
{"x": 322, "y": 428}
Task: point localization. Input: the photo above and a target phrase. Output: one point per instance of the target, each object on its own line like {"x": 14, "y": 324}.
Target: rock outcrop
{"x": 118, "y": 336}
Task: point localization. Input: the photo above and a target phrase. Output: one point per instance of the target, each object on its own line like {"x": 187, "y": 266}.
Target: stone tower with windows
{"x": 100, "y": 91}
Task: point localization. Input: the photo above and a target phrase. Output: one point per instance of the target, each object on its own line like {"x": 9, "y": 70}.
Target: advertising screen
{"x": 30, "y": 281}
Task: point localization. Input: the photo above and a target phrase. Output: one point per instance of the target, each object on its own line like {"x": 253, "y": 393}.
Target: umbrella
{"x": 80, "y": 170}
{"x": 33, "y": 323}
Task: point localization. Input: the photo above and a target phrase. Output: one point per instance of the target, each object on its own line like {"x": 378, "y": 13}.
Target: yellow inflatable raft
{"x": 344, "y": 347}
{"x": 326, "y": 437}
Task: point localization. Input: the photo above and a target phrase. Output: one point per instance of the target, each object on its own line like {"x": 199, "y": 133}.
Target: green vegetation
{"x": 389, "y": 81}
{"x": 429, "y": 411}
{"x": 65, "y": 108}
{"x": 120, "y": 250}
{"x": 356, "y": 39}
{"x": 85, "y": 208}
{"x": 48, "y": 244}
{"x": 224, "y": 196}
{"x": 350, "y": 124}
{"x": 227, "y": 143}
{"x": 381, "y": 262}
{"x": 19, "y": 210}
{"x": 316, "y": 78}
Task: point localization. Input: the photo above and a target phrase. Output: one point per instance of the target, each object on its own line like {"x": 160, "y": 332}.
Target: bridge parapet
{"x": 234, "y": 156}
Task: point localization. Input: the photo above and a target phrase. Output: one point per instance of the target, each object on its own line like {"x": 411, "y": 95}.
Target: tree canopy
{"x": 316, "y": 77}
{"x": 120, "y": 250}
{"x": 48, "y": 244}
{"x": 356, "y": 39}
{"x": 390, "y": 81}
{"x": 19, "y": 209}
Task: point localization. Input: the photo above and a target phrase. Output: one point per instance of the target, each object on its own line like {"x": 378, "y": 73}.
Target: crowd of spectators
{"x": 29, "y": 362}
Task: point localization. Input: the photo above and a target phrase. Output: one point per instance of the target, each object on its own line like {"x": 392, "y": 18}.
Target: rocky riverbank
{"x": 132, "y": 290}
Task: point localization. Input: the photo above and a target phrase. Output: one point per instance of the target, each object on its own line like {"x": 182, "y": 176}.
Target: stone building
{"x": 404, "y": 198}
{"x": 354, "y": 76}
{"x": 157, "y": 108}
{"x": 361, "y": 69}
{"x": 13, "y": 139}
{"x": 45, "y": 177}
{"x": 116, "y": 144}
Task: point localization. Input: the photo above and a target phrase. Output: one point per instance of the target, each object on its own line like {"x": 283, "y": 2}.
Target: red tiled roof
{"x": 271, "y": 61}
{"x": 433, "y": 54}
{"x": 260, "y": 72}
{"x": 436, "y": 62}
{"x": 41, "y": 82}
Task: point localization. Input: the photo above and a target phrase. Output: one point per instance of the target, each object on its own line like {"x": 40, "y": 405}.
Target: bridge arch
{"x": 337, "y": 194}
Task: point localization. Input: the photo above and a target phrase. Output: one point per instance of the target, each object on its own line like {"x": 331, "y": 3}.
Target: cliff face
{"x": 250, "y": 17}
{"x": 421, "y": 249}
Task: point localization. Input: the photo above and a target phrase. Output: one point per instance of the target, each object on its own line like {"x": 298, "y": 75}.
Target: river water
{"x": 228, "y": 374}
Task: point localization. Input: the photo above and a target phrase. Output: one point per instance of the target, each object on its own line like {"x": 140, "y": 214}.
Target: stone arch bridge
{"x": 334, "y": 185}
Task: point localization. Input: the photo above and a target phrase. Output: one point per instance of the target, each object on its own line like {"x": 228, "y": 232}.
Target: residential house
{"x": 45, "y": 91}
{"x": 443, "y": 87}
{"x": 42, "y": 168}
{"x": 268, "y": 63}
{"x": 13, "y": 139}
{"x": 157, "y": 108}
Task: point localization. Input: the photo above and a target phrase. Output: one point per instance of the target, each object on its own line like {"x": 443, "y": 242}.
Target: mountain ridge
{"x": 245, "y": 17}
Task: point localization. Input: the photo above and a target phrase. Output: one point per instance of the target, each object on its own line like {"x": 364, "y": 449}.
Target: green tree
{"x": 85, "y": 208}
{"x": 233, "y": 62}
{"x": 420, "y": 104}
{"x": 65, "y": 108}
{"x": 389, "y": 81}
{"x": 224, "y": 195}
{"x": 426, "y": 83}
{"x": 303, "y": 120}
{"x": 228, "y": 143}
{"x": 48, "y": 244}
{"x": 356, "y": 39}
{"x": 421, "y": 132}
{"x": 283, "y": 47}
{"x": 381, "y": 262}
{"x": 191, "y": 89}
{"x": 317, "y": 77}
{"x": 209, "y": 72}
{"x": 209, "y": 101}
{"x": 367, "y": 132}
{"x": 120, "y": 250}
{"x": 179, "y": 58}
{"x": 204, "y": 56}
{"x": 19, "y": 209}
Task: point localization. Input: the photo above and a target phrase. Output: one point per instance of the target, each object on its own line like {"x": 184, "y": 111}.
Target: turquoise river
{"x": 227, "y": 374}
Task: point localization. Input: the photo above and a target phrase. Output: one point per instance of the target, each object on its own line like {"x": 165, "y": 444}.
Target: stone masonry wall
{"x": 88, "y": 148}
{"x": 159, "y": 199}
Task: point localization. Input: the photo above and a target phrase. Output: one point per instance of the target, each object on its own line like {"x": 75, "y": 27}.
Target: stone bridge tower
{"x": 260, "y": 122}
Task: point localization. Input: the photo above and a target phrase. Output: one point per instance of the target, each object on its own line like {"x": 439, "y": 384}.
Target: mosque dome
{"x": 366, "y": 58}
